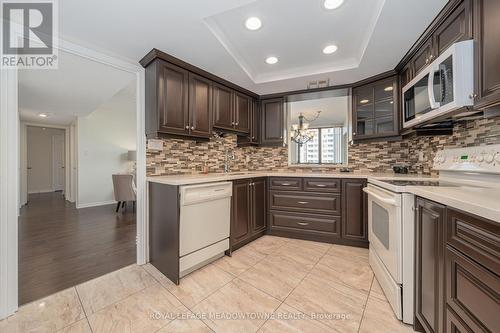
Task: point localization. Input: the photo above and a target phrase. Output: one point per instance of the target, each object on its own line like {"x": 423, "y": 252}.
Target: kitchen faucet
{"x": 228, "y": 157}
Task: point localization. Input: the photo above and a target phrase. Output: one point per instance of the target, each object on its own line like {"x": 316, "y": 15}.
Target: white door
{"x": 58, "y": 173}
{"x": 384, "y": 228}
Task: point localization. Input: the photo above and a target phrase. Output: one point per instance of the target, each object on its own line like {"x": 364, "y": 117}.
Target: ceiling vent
{"x": 318, "y": 84}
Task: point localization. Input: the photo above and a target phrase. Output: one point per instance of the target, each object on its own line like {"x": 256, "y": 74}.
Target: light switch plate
{"x": 154, "y": 144}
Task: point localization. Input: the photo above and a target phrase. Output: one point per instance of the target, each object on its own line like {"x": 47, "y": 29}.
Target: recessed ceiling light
{"x": 332, "y": 4}
{"x": 43, "y": 115}
{"x": 330, "y": 49}
{"x": 271, "y": 60}
{"x": 364, "y": 101}
{"x": 253, "y": 23}
{"x": 390, "y": 88}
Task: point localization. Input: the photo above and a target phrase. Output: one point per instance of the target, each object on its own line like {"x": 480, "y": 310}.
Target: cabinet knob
{"x": 354, "y": 133}
{"x": 187, "y": 127}
{"x": 473, "y": 96}
{"x": 427, "y": 60}
{"x": 232, "y": 123}
{"x": 192, "y": 128}
{"x": 236, "y": 124}
{"x": 431, "y": 57}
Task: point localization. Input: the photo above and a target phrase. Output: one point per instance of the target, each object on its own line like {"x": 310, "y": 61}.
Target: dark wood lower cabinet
{"x": 248, "y": 218}
{"x": 457, "y": 281}
{"x": 429, "y": 265}
{"x": 354, "y": 211}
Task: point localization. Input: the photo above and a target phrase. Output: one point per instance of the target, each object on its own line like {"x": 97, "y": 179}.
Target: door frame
{"x": 54, "y": 166}
{"x": 10, "y": 162}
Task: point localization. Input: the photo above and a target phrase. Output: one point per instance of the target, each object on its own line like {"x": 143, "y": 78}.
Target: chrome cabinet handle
{"x": 303, "y": 202}
{"x": 285, "y": 184}
{"x": 303, "y": 223}
{"x": 320, "y": 185}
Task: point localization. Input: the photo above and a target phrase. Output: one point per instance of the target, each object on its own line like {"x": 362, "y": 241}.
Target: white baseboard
{"x": 41, "y": 191}
{"x": 95, "y": 204}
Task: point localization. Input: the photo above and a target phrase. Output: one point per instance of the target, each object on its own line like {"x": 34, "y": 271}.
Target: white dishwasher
{"x": 205, "y": 216}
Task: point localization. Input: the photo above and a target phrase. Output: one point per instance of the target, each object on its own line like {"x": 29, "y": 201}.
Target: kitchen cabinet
{"x": 231, "y": 110}
{"x": 242, "y": 110}
{"x": 172, "y": 113}
{"x": 487, "y": 53}
{"x": 272, "y": 122}
{"x": 248, "y": 211}
{"x": 453, "y": 24}
{"x": 200, "y": 106}
{"x": 429, "y": 293}
{"x": 472, "y": 266}
{"x": 223, "y": 107}
{"x": 354, "y": 211}
{"x": 329, "y": 210}
{"x": 178, "y": 102}
{"x": 255, "y": 123}
{"x": 376, "y": 109}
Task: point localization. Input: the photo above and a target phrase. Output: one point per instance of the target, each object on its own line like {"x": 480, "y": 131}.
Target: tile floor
{"x": 271, "y": 285}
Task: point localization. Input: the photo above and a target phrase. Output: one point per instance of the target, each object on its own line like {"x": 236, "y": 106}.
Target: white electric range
{"x": 391, "y": 217}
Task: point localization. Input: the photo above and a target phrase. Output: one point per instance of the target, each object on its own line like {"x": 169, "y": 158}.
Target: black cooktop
{"x": 419, "y": 183}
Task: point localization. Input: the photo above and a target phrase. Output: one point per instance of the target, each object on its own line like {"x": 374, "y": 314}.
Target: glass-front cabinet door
{"x": 375, "y": 109}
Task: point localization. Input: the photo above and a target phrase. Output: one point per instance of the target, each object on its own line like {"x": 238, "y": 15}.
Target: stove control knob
{"x": 480, "y": 158}
{"x": 489, "y": 158}
{"x": 442, "y": 159}
{"x": 497, "y": 157}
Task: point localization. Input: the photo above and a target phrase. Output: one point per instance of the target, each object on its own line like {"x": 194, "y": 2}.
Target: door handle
{"x": 378, "y": 197}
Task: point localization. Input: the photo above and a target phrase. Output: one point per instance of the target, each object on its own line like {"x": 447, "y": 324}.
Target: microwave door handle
{"x": 430, "y": 88}
{"x": 445, "y": 82}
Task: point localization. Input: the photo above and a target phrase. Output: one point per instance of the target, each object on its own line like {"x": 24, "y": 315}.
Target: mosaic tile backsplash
{"x": 188, "y": 157}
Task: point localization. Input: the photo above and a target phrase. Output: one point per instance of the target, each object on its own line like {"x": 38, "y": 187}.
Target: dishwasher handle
{"x": 194, "y": 194}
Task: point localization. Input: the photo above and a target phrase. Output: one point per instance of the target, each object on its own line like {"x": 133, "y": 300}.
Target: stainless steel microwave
{"x": 444, "y": 86}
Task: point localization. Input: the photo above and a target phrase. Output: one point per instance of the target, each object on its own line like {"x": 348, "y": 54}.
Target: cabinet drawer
{"x": 472, "y": 292}
{"x": 454, "y": 324}
{"x": 476, "y": 237}
{"x": 321, "y": 185}
{"x": 290, "y": 221}
{"x": 305, "y": 202}
{"x": 288, "y": 184}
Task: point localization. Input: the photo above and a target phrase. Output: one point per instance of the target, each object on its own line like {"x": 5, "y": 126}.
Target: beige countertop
{"x": 484, "y": 202}
{"x": 190, "y": 179}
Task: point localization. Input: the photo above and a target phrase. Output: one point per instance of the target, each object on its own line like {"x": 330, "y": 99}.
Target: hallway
{"x": 61, "y": 246}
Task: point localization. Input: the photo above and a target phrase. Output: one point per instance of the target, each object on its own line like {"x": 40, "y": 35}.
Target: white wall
{"x": 39, "y": 158}
{"x": 104, "y": 139}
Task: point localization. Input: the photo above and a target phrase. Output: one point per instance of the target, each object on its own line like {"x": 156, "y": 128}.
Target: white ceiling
{"x": 372, "y": 35}
{"x": 78, "y": 87}
{"x": 333, "y": 111}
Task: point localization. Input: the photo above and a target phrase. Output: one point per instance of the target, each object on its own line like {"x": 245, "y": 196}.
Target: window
{"x": 325, "y": 147}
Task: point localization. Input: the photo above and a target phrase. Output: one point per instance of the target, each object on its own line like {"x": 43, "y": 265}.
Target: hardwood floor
{"x": 61, "y": 246}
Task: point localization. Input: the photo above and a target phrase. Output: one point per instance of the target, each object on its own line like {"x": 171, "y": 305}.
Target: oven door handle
{"x": 391, "y": 202}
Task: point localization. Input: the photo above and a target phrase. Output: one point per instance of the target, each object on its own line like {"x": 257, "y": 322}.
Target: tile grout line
{"x": 83, "y": 308}
{"x": 283, "y": 301}
{"x": 366, "y": 303}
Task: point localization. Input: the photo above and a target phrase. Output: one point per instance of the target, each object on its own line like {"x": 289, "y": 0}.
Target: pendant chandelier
{"x": 300, "y": 133}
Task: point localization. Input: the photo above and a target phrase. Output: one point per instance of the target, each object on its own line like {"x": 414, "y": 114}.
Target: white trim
{"x": 46, "y": 190}
{"x": 96, "y": 204}
{"x": 54, "y": 167}
{"x": 9, "y": 181}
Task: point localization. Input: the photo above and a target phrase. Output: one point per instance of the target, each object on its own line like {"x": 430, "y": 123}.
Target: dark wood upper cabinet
{"x": 200, "y": 106}
{"x": 429, "y": 263}
{"x": 455, "y": 28}
{"x": 376, "y": 109}
{"x": 272, "y": 121}
{"x": 255, "y": 122}
{"x": 172, "y": 99}
{"x": 223, "y": 106}
{"x": 242, "y": 110}
{"x": 487, "y": 52}
{"x": 423, "y": 57}
{"x": 354, "y": 210}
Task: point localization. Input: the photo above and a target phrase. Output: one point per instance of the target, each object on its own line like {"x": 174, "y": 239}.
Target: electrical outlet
{"x": 155, "y": 144}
